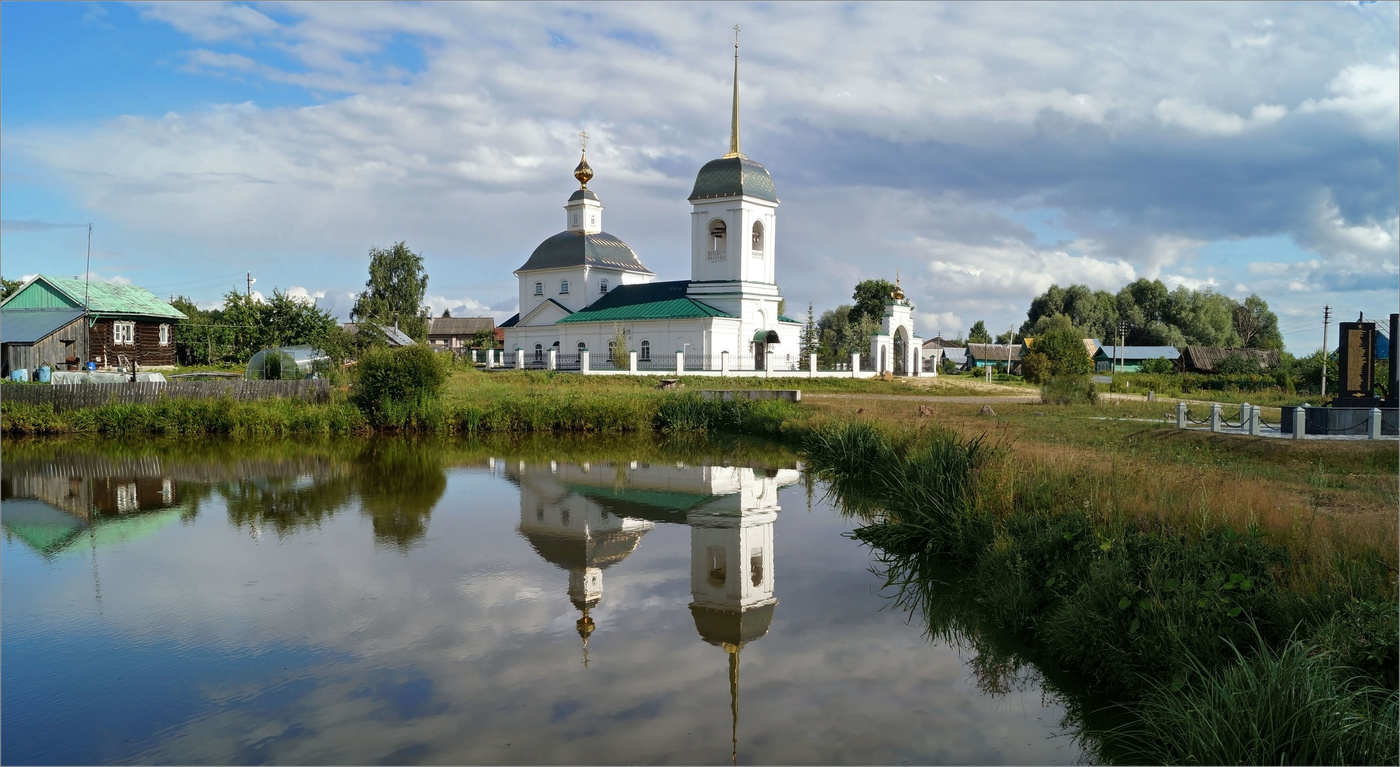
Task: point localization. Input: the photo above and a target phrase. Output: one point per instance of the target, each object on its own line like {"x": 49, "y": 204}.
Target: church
{"x": 584, "y": 289}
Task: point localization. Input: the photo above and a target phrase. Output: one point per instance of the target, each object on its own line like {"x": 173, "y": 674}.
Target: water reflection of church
{"x": 586, "y": 517}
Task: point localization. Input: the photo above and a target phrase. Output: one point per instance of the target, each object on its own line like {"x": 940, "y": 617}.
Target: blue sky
{"x": 986, "y": 150}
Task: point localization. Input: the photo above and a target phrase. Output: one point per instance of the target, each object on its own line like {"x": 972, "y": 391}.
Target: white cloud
{"x": 302, "y": 295}
{"x": 1204, "y": 119}
{"x": 1367, "y": 92}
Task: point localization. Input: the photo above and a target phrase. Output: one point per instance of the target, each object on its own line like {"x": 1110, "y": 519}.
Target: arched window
{"x": 575, "y": 219}
{"x": 646, "y": 350}
{"x": 563, "y": 287}
{"x": 539, "y": 352}
{"x": 581, "y": 347}
{"x": 716, "y": 572}
{"x": 603, "y": 286}
{"x": 758, "y": 238}
{"x": 539, "y": 288}
{"x": 556, "y": 346}
{"x": 717, "y": 234}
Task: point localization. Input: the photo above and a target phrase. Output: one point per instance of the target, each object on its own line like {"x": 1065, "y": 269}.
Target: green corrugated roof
{"x": 102, "y": 298}
{"x": 650, "y": 301}
{"x": 785, "y": 318}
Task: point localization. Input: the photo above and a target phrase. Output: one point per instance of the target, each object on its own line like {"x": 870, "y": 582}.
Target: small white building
{"x": 582, "y": 286}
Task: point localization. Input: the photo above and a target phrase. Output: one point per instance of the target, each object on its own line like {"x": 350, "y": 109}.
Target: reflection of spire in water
{"x": 733, "y": 701}
{"x": 585, "y": 627}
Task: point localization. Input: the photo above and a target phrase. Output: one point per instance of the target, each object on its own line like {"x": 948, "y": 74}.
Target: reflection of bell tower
{"x": 575, "y": 534}
{"x": 731, "y": 571}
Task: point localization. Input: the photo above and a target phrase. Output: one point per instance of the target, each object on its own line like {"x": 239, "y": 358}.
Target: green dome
{"x": 577, "y": 249}
{"x": 731, "y": 177}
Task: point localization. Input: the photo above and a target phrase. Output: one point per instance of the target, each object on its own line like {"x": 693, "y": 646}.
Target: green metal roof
{"x": 105, "y": 298}
{"x": 785, "y": 318}
{"x": 731, "y": 177}
{"x": 650, "y": 301}
{"x": 577, "y": 249}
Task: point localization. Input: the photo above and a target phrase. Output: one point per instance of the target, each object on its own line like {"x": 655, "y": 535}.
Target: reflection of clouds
{"x": 464, "y": 650}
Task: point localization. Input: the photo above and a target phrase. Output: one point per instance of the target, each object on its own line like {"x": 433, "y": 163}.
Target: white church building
{"x": 583, "y": 286}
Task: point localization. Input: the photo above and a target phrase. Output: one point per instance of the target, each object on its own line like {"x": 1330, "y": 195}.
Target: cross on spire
{"x": 583, "y": 141}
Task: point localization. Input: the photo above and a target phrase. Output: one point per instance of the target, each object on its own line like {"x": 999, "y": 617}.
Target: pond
{"x": 551, "y": 601}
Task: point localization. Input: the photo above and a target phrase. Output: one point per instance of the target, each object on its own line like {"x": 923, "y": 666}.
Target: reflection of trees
{"x": 999, "y": 661}
{"x": 399, "y": 483}
{"x": 285, "y": 504}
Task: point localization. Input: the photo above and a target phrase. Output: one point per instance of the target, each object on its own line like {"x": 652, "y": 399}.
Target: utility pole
{"x": 250, "y": 284}
{"x": 1011, "y": 339}
{"x": 1326, "y": 319}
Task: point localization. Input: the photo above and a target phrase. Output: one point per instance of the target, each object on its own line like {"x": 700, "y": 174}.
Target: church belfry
{"x": 733, "y": 226}
{"x": 584, "y": 210}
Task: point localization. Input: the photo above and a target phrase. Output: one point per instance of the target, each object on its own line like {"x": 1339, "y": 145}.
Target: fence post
{"x": 1374, "y": 432}
{"x": 583, "y": 361}
{"x": 724, "y": 362}
{"x": 680, "y": 362}
{"x": 1300, "y": 421}
{"x": 553, "y": 359}
{"x": 811, "y": 364}
{"x": 1180, "y": 414}
{"x": 632, "y": 361}
{"x": 1215, "y": 417}
{"x": 855, "y": 364}
{"x": 1244, "y": 415}
{"x": 519, "y": 358}
{"x": 1256, "y": 417}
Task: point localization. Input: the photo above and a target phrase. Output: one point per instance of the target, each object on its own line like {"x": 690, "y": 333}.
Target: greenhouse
{"x": 286, "y": 363}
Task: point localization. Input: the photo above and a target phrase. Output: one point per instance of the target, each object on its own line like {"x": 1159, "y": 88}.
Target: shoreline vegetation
{"x": 1238, "y": 599}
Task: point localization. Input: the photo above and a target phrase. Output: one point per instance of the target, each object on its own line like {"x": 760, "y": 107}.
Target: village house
{"x": 121, "y": 325}
{"x": 997, "y": 355}
{"x": 1207, "y": 359}
{"x": 1129, "y": 359}
{"x": 456, "y": 333}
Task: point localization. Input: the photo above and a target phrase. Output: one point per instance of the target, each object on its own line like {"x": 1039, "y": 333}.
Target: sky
{"x": 985, "y": 150}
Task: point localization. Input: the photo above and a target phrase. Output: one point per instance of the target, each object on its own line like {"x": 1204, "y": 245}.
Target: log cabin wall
{"x": 146, "y": 351}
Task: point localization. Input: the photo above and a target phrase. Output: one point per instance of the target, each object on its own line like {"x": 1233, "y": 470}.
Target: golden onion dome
{"x": 583, "y": 173}
{"x": 898, "y": 292}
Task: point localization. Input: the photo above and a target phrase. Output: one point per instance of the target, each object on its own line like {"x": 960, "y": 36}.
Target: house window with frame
{"x": 539, "y": 288}
{"x": 539, "y": 352}
{"x": 581, "y": 347}
{"x": 123, "y": 333}
{"x": 164, "y": 335}
{"x": 603, "y": 286}
{"x": 563, "y": 287}
{"x": 646, "y": 350}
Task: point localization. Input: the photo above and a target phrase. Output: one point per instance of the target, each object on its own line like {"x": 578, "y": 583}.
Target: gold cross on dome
{"x": 736, "y": 35}
{"x": 583, "y": 141}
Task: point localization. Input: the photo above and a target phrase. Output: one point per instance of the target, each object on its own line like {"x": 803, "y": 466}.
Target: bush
{"x": 1069, "y": 390}
{"x": 1035, "y": 367}
{"x": 1159, "y": 366}
{"x": 392, "y": 379}
{"x": 1239, "y": 364}
{"x": 1063, "y": 347}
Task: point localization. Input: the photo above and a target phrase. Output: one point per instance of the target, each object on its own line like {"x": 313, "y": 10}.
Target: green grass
{"x": 1127, "y": 602}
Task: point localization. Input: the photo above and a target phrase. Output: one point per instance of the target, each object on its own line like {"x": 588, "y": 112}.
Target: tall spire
{"x": 734, "y": 121}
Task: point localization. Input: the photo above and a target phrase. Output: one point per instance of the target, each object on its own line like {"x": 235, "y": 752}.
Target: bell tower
{"x": 584, "y": 212}
{"x": 733, "y": 224}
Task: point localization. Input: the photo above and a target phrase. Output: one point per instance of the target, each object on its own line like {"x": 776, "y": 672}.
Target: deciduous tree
{"x": 393, "y": 295}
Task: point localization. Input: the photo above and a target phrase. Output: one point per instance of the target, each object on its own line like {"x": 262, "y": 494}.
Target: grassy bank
{"x": 1159, "y": 611}
{"x": 516, "y": 410}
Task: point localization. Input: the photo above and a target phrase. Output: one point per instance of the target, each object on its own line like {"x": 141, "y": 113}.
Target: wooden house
{"x": 998, "y": 356}
{"x": 1205, "y": 359}
{"x": 456, "y": 333}
{"x": 1129, "y": 359}
{"x": 125, "y": 324}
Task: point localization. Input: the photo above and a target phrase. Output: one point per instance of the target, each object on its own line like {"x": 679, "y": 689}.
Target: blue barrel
{"x": 43, "y": 374}
{"x": 92, "y": 366}
{"x": 19, "y": 375}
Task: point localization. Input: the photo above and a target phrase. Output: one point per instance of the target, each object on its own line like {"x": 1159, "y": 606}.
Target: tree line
{"x": 244, "y": 325}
